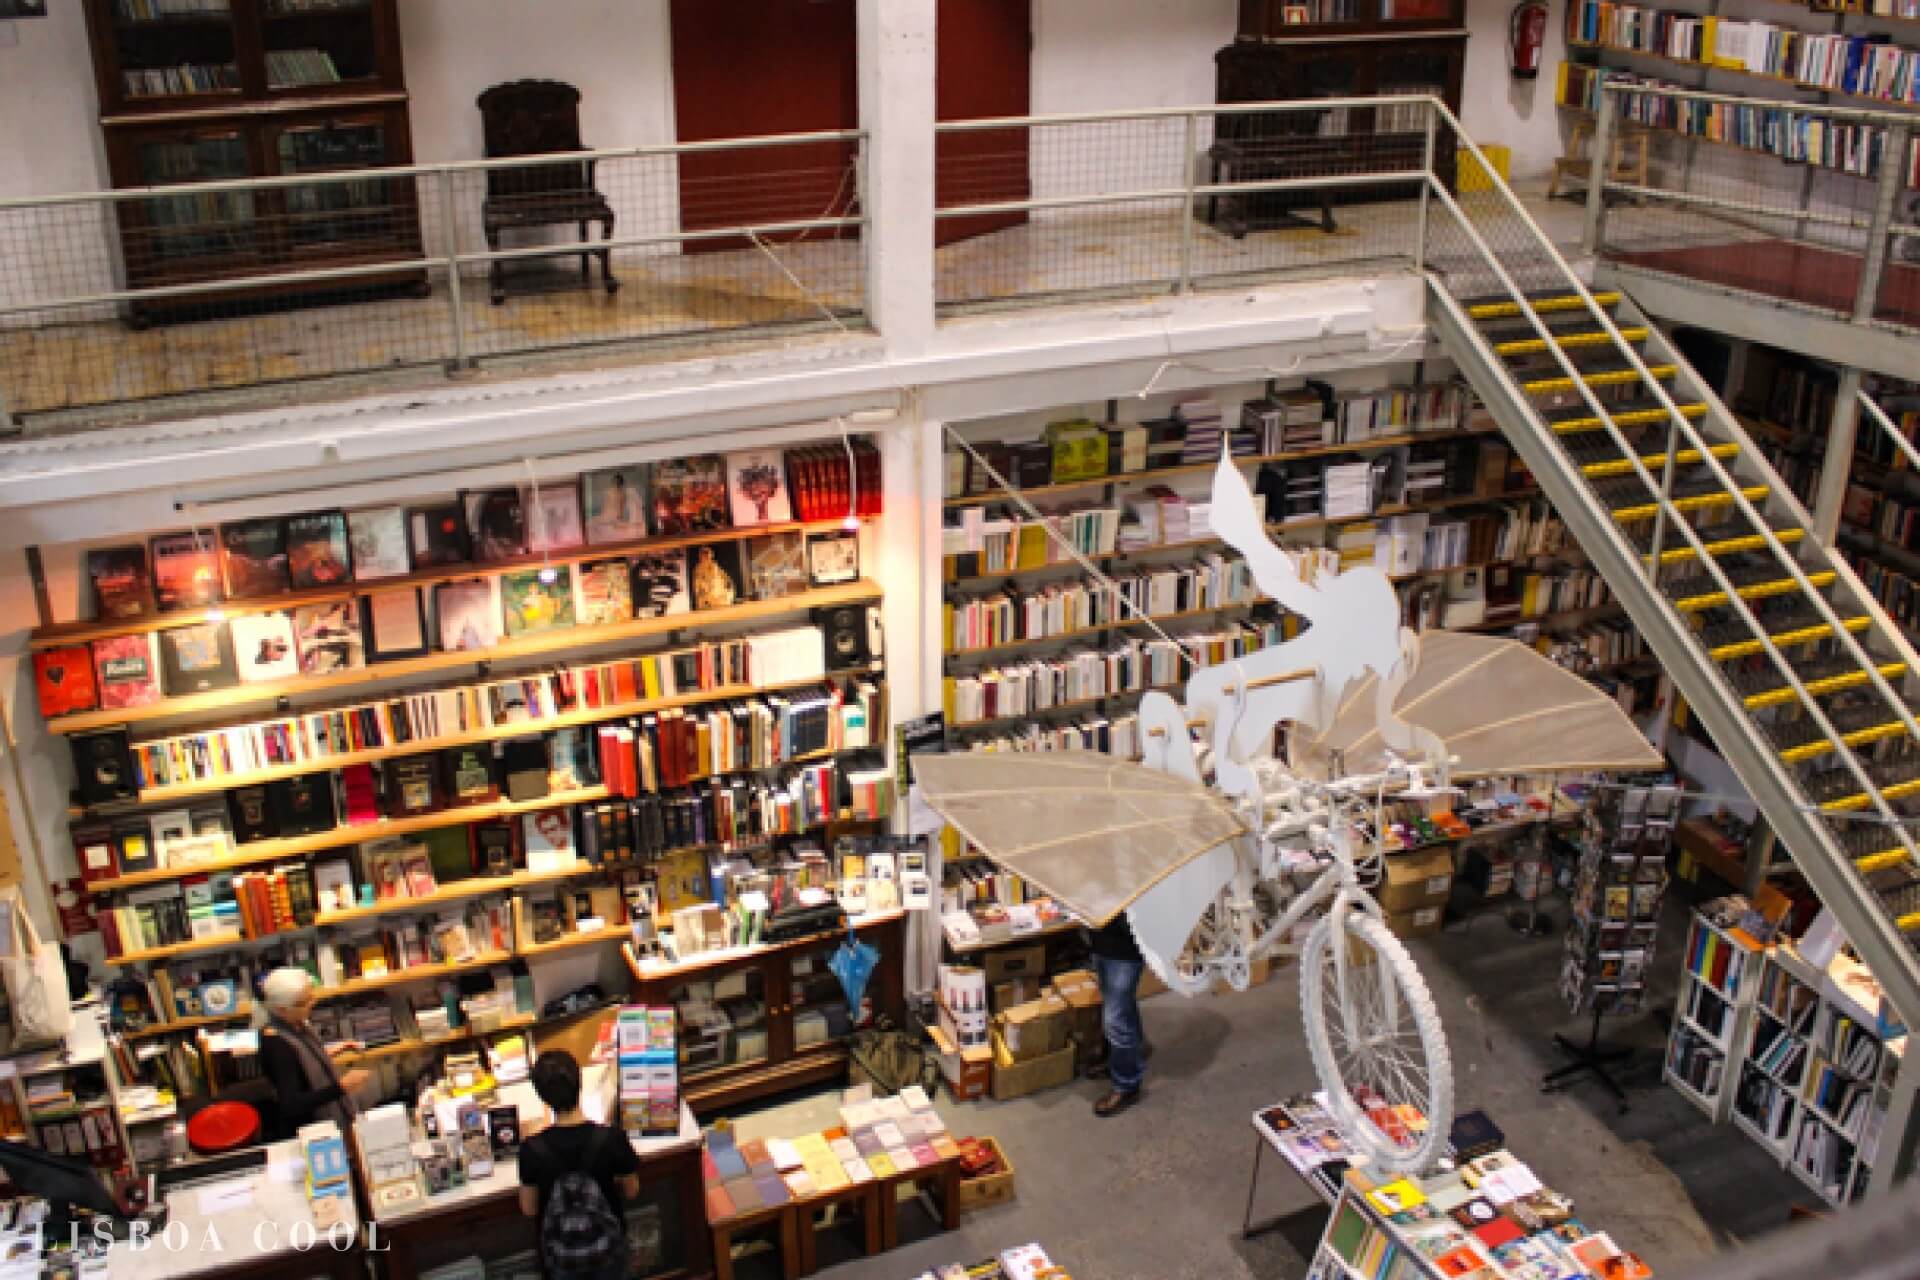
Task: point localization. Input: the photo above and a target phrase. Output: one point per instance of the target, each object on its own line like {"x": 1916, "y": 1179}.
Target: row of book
{"x": 181, "y": 81}
{"x": 1063, "y": 609}
{"x": 774, "y": 658}
{"x": 1597, "y": 646}
{"x": 1849, "y": 1046}
{"x": 1844, "y": 1100}
{"x": 1716, "y": 961}
{"x": 1825, "y": 1157}
{"x": 1696, "y": 1062}
{"x": 680, "y": 746}
{"x": 1780, "y": 1053}
{"x": 154, "y": 10}
{"x": 975, "y": 544}
{"x": 1766, "y": 1105}
{"x": 1117, "y": 736}
{"x": 293, "y": 68}
{"x": 1864, "y": 65}
{"x": 1132, "y": 666}
{"x": 1791, "y": 1002}
{"x": 1897, "y": 592}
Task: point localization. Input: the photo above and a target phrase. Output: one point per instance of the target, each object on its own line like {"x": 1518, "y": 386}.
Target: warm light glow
{"x": 851, "y": 524}
{"x": 549, "y": 574}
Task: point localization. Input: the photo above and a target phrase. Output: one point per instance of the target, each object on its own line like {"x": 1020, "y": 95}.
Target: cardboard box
{"x": 1008, "y": 963}
{"x": 993, "y": 1188}
{"x": 1018, "y": 991}
{"x": 968, "y": 1072}
{"x": 1416, "y": 880}
{"x": 1080, "y": 991}
{"x": 1034, "y": 1029}
{"x": 1016, "y": 1079}
{"x": 1420, "y": 922}
{"x": 966, "y": 1030}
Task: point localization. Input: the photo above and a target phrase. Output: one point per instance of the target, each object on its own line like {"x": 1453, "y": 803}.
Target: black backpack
{"x": 579, "y": 1233}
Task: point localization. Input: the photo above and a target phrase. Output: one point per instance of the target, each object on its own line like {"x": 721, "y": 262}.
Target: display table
{"x": 483, "y": 1218}
{"x": 258, "y": 1224}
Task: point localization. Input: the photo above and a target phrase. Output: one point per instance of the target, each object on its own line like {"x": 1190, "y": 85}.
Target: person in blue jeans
{"x": 1118, "y": 964}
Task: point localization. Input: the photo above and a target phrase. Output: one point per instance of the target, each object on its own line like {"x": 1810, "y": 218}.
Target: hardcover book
{"x": 547, "y": 837}
{"x": 757, "y": 488}
{"x": 197, "y": 659}
{"x": 497, "y": 522}
{"x": 532, "y": 603}
{"x": 690, "y": 495}
{"x": 396, "y": 627}
{"x": 103, "y": 768}
{"x": 468, "y": 614}
{"x": 303, "y": 806}
{"x": 64, "y": 680}
{"x": 833, "y": 558}
{"x": 255, "y": 555}
{"x": 251, "y": 811}
{"x": 659, "y": 584}
{"x": 413, "y": 787}
{"x": 377, "y": 541}
{"x": 186, "y": 572}
{"x": 776, "y": 565}
{"x": 715, "y": 575}
{"x": 553, "y": 518}
{"x": 437, "y": 535}
{"x": 605, "y": 592}
{"x": 318, "y": 553}
{"x": 616, "y": 504}
{"x": 470, "y": 775}
{"x": 126, "y": 671}
{"x": 263, "y": 647}
{"x": 122, "y": 587}
{"x": 327, "y": 638}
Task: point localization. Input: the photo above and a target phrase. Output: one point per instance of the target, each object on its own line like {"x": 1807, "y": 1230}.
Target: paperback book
{"x": 377, "y": 540}
{"x": 186, "y": 573}
{"x": 318, "y": 554}
{"x": 690, "y": 495}
{"x": 616, "y": 502}
{"x": 255, "y": 555}
{"x": 327, "y": 638}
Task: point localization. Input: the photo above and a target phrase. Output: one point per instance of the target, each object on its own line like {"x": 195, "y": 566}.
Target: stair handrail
{"x": 1663, "y": 501}
{"x": 1881, "y": 420}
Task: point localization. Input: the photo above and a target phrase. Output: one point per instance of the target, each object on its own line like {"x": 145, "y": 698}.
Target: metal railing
{"x": 1163, "y": 201}
{"x": 1814, "y": 206}
{"x": 128, "y": 297}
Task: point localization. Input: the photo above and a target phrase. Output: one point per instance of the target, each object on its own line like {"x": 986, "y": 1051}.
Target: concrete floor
{"x": 1158, "y": 1193}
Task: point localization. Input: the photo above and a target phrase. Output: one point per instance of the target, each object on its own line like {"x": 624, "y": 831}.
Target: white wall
{"x": 1497, "y": 108}
{"x": 1104, "y": 55}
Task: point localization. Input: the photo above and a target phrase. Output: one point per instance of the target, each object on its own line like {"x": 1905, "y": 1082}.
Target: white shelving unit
{"x": 1711, "y": 1027}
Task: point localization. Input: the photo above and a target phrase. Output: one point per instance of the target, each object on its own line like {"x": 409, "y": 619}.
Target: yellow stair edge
{"x": 1909, "y": 923}
{"x": 1860, "y": 800}
{"x": 1732, "y": 546}
{"x": 1651, "y": 461}
{"x": 1598, "y": 338}
{"x": 1562, "y": 302}
{"x": 1858, "y": 738}
{"x": 1885, "y": 860}
{"x": 1611, "y": 378}
{"x": 1818, "y": 688}
{"x": 1752, "y": 493}
{"x": 1754, "y": 591}
{"x": 1818, "y": 631}
{"x": 1633, "y": 418}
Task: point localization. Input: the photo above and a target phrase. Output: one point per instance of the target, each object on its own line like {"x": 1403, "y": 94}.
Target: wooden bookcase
{"x": 255, "y": 89}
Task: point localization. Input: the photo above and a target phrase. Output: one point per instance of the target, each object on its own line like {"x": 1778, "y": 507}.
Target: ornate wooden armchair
{"x": 540, "y": 117}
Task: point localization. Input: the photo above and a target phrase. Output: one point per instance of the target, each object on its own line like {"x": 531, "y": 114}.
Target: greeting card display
{"x": 690, "y": 495}
{"x": 468, "y": 614}
{"x": 660, "y": 584}
{"x": 255, "y": 555}
{"x": 264, "y": 647}
{"x": 757, "y": 488}
{"x": 605, "y": 592}
{"x": 377, "y": 539}
{"x": 318, "y": 554}
{"x": 186, "y": 571}
{"x": 122, "y": 587}
{"x": 616, "y": 504}
{"x": 537, "y": 599}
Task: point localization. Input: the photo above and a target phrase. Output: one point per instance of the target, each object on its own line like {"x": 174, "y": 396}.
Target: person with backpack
{"x": 575, "y": 1180}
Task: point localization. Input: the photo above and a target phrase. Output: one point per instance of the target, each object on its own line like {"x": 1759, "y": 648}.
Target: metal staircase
{"x": 1793, "y": 668}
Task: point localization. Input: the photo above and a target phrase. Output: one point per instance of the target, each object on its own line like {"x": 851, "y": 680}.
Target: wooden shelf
{"x": 1196, "y": 468}
{"x": 466, "y": 1034}
{"x": 1892, "y": 104}
{"x": 536, "y": 645}
{"x": 612, "y": 933}
{"x": 1075, "y": 705}
{"x": 419, "y": 973}
{"x": 654, "y": 970}
{"x": 1104, "y": 627}
{"x": 594, "y": 715}
{"x": 340, "y": 837}
{"x": 459, "y": 891}
{"x": 187, "y": 1024}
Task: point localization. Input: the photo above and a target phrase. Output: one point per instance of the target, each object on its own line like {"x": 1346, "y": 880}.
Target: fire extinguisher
{"x": 1526, "y": 32}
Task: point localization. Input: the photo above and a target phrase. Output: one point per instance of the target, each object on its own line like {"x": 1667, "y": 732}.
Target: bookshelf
{"x": 1719, "y": 977}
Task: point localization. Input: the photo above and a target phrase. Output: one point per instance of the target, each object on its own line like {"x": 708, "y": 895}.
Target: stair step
{"x": 1836, "y": 791}
{"x": 1760, "y": 580}
{"x": 1641, "y": 411}
{"x": 1629, "y": 499}
{"x": 1903, "y": 904}
{"x": 1828, "y": 676}
{"x": 1516, "y": 347}
{"x": 1874, "y": 850}
{"x": 1716, "y": 547}
{"x": 1615, "y": 465}
{"x": 1498, "y": 309}
{"x": 1608, "y": 376}
{"x": 1731, "y": 640}
{"x": 1865, "y": 722}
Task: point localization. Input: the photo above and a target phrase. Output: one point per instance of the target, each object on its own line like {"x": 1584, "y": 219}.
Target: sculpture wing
{"x": 1240, "y": 520}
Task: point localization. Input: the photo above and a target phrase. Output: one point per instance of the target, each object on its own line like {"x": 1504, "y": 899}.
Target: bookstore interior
{"x": 905, "y": 840}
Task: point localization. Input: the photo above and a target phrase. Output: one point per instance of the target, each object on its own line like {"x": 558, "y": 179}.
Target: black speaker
{"x": 845, "y": 627}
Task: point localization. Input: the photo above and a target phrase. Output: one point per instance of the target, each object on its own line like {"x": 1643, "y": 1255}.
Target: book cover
{"x": 604, "y": 593}
{"x": 833, "y": 558}
{"x": 437, "y": 535}
{"x": 263, "y": 647}
{"x": 327, "y": 638}
{"x": 395, "y": 625}
{"x": 690, "y": 495}
{"x": 186, "y": 572}
{"x": 252, "y": 815}
{"x": 254, "y": 553}
{"x": 757, "y": 488}
{"x": 470, "y": 775}
{"x": 377, "y": 542}
{"x": 777, "y": 565}
{"x": 715, "y": 575}
{"x": 103, "y": 767}
{"x": 467, "y": 614}
{"x": 659, "y": 584}
{"x": 122, "y": 587}
{"x": 414, "y": 787}
{"x": 533, "y": 604}
{"x": 616, "y": 504}
{"x": 547, "y": 838}
{"x": 63, "y": 678}
{"x": 497, "y": 523}
{"x": 128, "y": 675}
{"x": 553, "y": 518}
{"x": 318, "y": 553}
{"x": 197, "y": 659}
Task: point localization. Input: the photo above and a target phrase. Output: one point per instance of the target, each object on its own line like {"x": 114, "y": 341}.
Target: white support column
{"x": 896, "y": 50}
{"x": 1834, "y": 475}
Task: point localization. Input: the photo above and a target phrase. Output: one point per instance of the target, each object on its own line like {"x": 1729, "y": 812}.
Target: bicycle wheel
{"x": 1380, "y": 1050}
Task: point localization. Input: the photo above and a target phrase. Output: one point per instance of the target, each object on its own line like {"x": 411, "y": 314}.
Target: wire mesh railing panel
{"x": 1512, "y": 240}
{"x": 133, "y": 299}
{"x": 702, "y": 242}
{"x": 1897, "y": 300}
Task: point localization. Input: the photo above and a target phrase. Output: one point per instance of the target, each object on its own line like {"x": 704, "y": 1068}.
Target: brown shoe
{"x": 1116, "y": 1102}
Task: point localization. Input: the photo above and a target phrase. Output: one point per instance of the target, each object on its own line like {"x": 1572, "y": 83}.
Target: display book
{"x": 1022, "y": 1262}
{"x": 1815, "y": 1058}
{"x": 1619, "y": 882}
